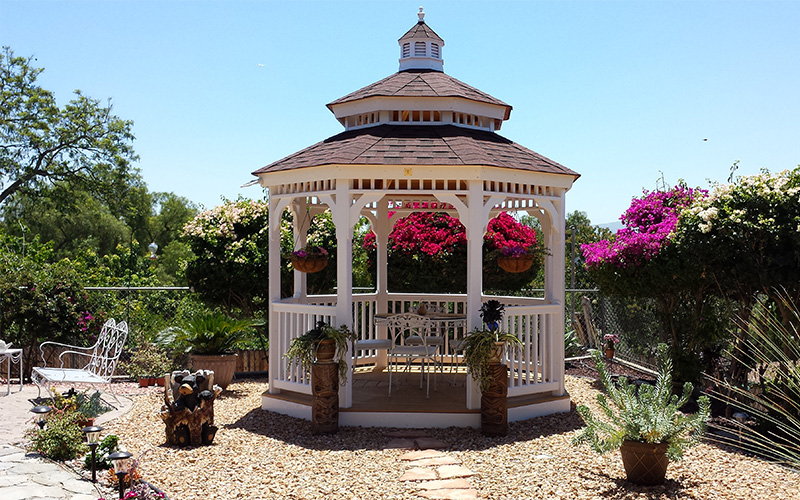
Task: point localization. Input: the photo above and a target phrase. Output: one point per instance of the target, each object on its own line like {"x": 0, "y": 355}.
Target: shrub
{"x": 649, "y": 415}
{"x": 61, "y": 439}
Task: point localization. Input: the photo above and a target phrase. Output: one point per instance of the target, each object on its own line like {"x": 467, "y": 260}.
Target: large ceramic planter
{"x": 223, "y": 366}
{"x": 645, "y": 463}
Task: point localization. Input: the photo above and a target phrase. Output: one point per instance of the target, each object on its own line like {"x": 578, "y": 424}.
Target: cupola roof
{"x": 421, "y": 47}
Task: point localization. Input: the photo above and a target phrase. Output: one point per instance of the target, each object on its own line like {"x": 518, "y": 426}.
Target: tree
{"x": 82, "y": 144}
{"x": 581, "y": 231}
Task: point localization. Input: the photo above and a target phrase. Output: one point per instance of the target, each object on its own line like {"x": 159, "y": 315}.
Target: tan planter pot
{"x": 645, "y": 463}
{"x": 223, "y": 366}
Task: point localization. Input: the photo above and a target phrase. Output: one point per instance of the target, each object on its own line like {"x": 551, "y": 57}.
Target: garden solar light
{"x": 153, "y": 249}
{"x": 42, "y": 412}
{"x": 121, "y": 460}
{"x": 92, "y": 439}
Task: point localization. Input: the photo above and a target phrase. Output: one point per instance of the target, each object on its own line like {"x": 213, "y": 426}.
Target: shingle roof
{"x": 420, "y": 83}
{"x": 418, "y": 145}
{"x": 421, "y": 30}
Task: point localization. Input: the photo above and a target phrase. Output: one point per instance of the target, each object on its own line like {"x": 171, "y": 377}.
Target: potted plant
{"x": 309, "y": 259}
{"x": 148, "y": 364}
{"x": 485, "y": 345}
{"x": 323, "y": 342}
{"x": 210, "y": 339}
{"x": 644, "y": 424}
{"x": 610, "y": 340}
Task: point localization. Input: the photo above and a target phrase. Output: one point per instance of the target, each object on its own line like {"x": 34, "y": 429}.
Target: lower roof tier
{"x": 418, "y": 145}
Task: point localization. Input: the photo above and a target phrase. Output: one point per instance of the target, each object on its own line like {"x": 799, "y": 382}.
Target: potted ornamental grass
{"x": 309, "y": 259}
{"x": 211, "y": 340}
{"x": 322, "y": 343}
{"x": 644, "y": 423}
{"x": 484, "y": 346}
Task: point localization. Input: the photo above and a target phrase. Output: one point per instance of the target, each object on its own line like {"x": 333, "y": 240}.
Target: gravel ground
{"x": 263, "y": 455}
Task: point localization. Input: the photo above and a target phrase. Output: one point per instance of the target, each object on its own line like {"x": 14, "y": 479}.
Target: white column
{"x": 344, "y": 273}
{"x": 382, "y": 228}
{"x": 475, "y": 224}
{"x": 274, "y": 276}
{"x": 556, "y": 290}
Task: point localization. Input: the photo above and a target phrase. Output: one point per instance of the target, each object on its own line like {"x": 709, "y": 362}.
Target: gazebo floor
{"x": 408, "y": 406}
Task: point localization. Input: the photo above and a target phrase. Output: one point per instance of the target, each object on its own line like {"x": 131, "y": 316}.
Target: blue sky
{"x": 622, "y": 92}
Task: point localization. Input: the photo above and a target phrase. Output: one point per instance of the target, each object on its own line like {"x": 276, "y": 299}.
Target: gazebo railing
{"x": 291, "y": 321}
{"x": 531, "y": 368}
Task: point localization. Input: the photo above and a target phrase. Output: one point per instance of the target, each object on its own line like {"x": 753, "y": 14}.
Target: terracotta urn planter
{"x": 645, "y": 463}
{"x": 610, "y": 353}
{"x": 223, "y": 366}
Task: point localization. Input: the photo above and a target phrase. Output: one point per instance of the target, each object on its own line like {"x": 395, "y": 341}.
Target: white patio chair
{"x": 99, "y": 368}
{"x": 404, "y": 325}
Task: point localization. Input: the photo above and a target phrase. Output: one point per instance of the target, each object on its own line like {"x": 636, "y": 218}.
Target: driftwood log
{"x": 188, "y": 410}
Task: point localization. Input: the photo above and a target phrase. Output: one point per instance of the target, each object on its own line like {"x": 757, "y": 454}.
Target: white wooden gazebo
{"x": 418, "y": 138}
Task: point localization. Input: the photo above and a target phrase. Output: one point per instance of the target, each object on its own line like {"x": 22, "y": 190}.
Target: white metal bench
{"x": 102, "y": 360}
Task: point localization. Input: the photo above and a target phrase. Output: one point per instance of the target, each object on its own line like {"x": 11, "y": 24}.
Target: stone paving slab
{"x": 418, "y": 454}
{"x": 442, "y": 484}
{"x": 424, "y": 443}
{"x": 418, "y": 474}
{"x": 460, "y": 494}
{"x": 436, "y": 461}
{"x": 400, "y": 443}
{"x": 453, "y": 471}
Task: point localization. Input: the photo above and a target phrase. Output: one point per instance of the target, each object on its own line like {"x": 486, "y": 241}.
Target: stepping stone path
{"x": 435, "y": 474}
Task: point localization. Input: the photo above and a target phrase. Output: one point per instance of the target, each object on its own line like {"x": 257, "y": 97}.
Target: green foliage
{"x": 212, "y": 333}
{"x": 149, "y": 360}
{"x": 480, "y": 344}
{"x": 61, "y": 439}
{"x": 770, "y": 350}
{"x": 303, "y": 349}
{"x": 649, "y": 414}
{"x": 108, "y": 445}
{"x": 88, "y": 406}
{"x": 572, "y": 346}
{"x": 230, "y": 244}
{"x": 82, "y": 143}
{"x": 580, "y": 231}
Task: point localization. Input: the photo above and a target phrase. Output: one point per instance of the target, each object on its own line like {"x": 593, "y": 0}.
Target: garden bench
{"x": 102, "y": 360}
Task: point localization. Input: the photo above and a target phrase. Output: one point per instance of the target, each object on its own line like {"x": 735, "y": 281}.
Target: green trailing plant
{"x": 649, "y": 414}
{"x": 212, "y": 333}
{"x": 303, "y": 349}
{"x": 87, "y": 406}
{"x": 108, "y": 445}
{"x": 771, "y": 354}
{"x": 61, "y": 439}
{"x": 480, "y": 344}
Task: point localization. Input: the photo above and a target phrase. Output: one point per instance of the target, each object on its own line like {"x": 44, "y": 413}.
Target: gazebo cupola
{"x": 421, "y": 47}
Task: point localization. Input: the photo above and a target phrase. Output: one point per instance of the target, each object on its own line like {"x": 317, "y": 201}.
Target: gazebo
{"x": 418, "y": 140}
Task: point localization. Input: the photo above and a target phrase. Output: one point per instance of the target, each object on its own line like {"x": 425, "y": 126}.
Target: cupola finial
{"x": 421, "y": 15}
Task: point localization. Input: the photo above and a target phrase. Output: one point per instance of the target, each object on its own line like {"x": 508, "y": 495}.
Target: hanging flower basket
{"x": 310, "y": 264}
{"x": 310, "y": 259}
{"x": 515, "y": 264}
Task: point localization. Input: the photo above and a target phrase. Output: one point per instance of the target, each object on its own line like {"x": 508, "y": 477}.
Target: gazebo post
{"x": 383, "y": 227}
{"x": 276, "y": 207}
{"x": 300, "y": 229}
{"x": 475, "y": 228}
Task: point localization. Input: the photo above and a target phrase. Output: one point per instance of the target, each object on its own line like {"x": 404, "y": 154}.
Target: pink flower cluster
{"x": 434, "y": 233}
{"x": 649, "y": 222}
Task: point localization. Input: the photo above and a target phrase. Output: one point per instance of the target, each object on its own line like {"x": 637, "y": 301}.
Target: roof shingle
{"x": 420, "y": 83}
{"x": 418, "y": 145}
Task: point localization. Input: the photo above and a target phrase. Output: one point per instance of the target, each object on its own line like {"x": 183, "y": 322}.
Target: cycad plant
{"x": 649, "y": 414}
{"x": 212, "y": 333}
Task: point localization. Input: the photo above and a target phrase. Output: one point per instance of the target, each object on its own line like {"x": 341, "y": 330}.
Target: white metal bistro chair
{"x": 102, "y": 360}
{"x": 401, "y": 326}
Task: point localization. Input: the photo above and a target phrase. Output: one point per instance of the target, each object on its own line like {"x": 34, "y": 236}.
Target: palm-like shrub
{"x": 649, "y": 414}
{"x": 213, "y": 333}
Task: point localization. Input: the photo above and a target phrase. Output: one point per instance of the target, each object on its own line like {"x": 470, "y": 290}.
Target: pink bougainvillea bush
{"x": 428, "y": 252}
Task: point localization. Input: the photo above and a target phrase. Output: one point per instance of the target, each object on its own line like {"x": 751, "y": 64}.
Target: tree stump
{"x": 325, "y": 397}
{"x": 494, "y": 403}
{"x": 188, "y": 410}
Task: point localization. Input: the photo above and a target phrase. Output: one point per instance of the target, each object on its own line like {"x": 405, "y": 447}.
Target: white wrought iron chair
{"x": 401, "y": 326}
{"x": 102, "y": 360}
